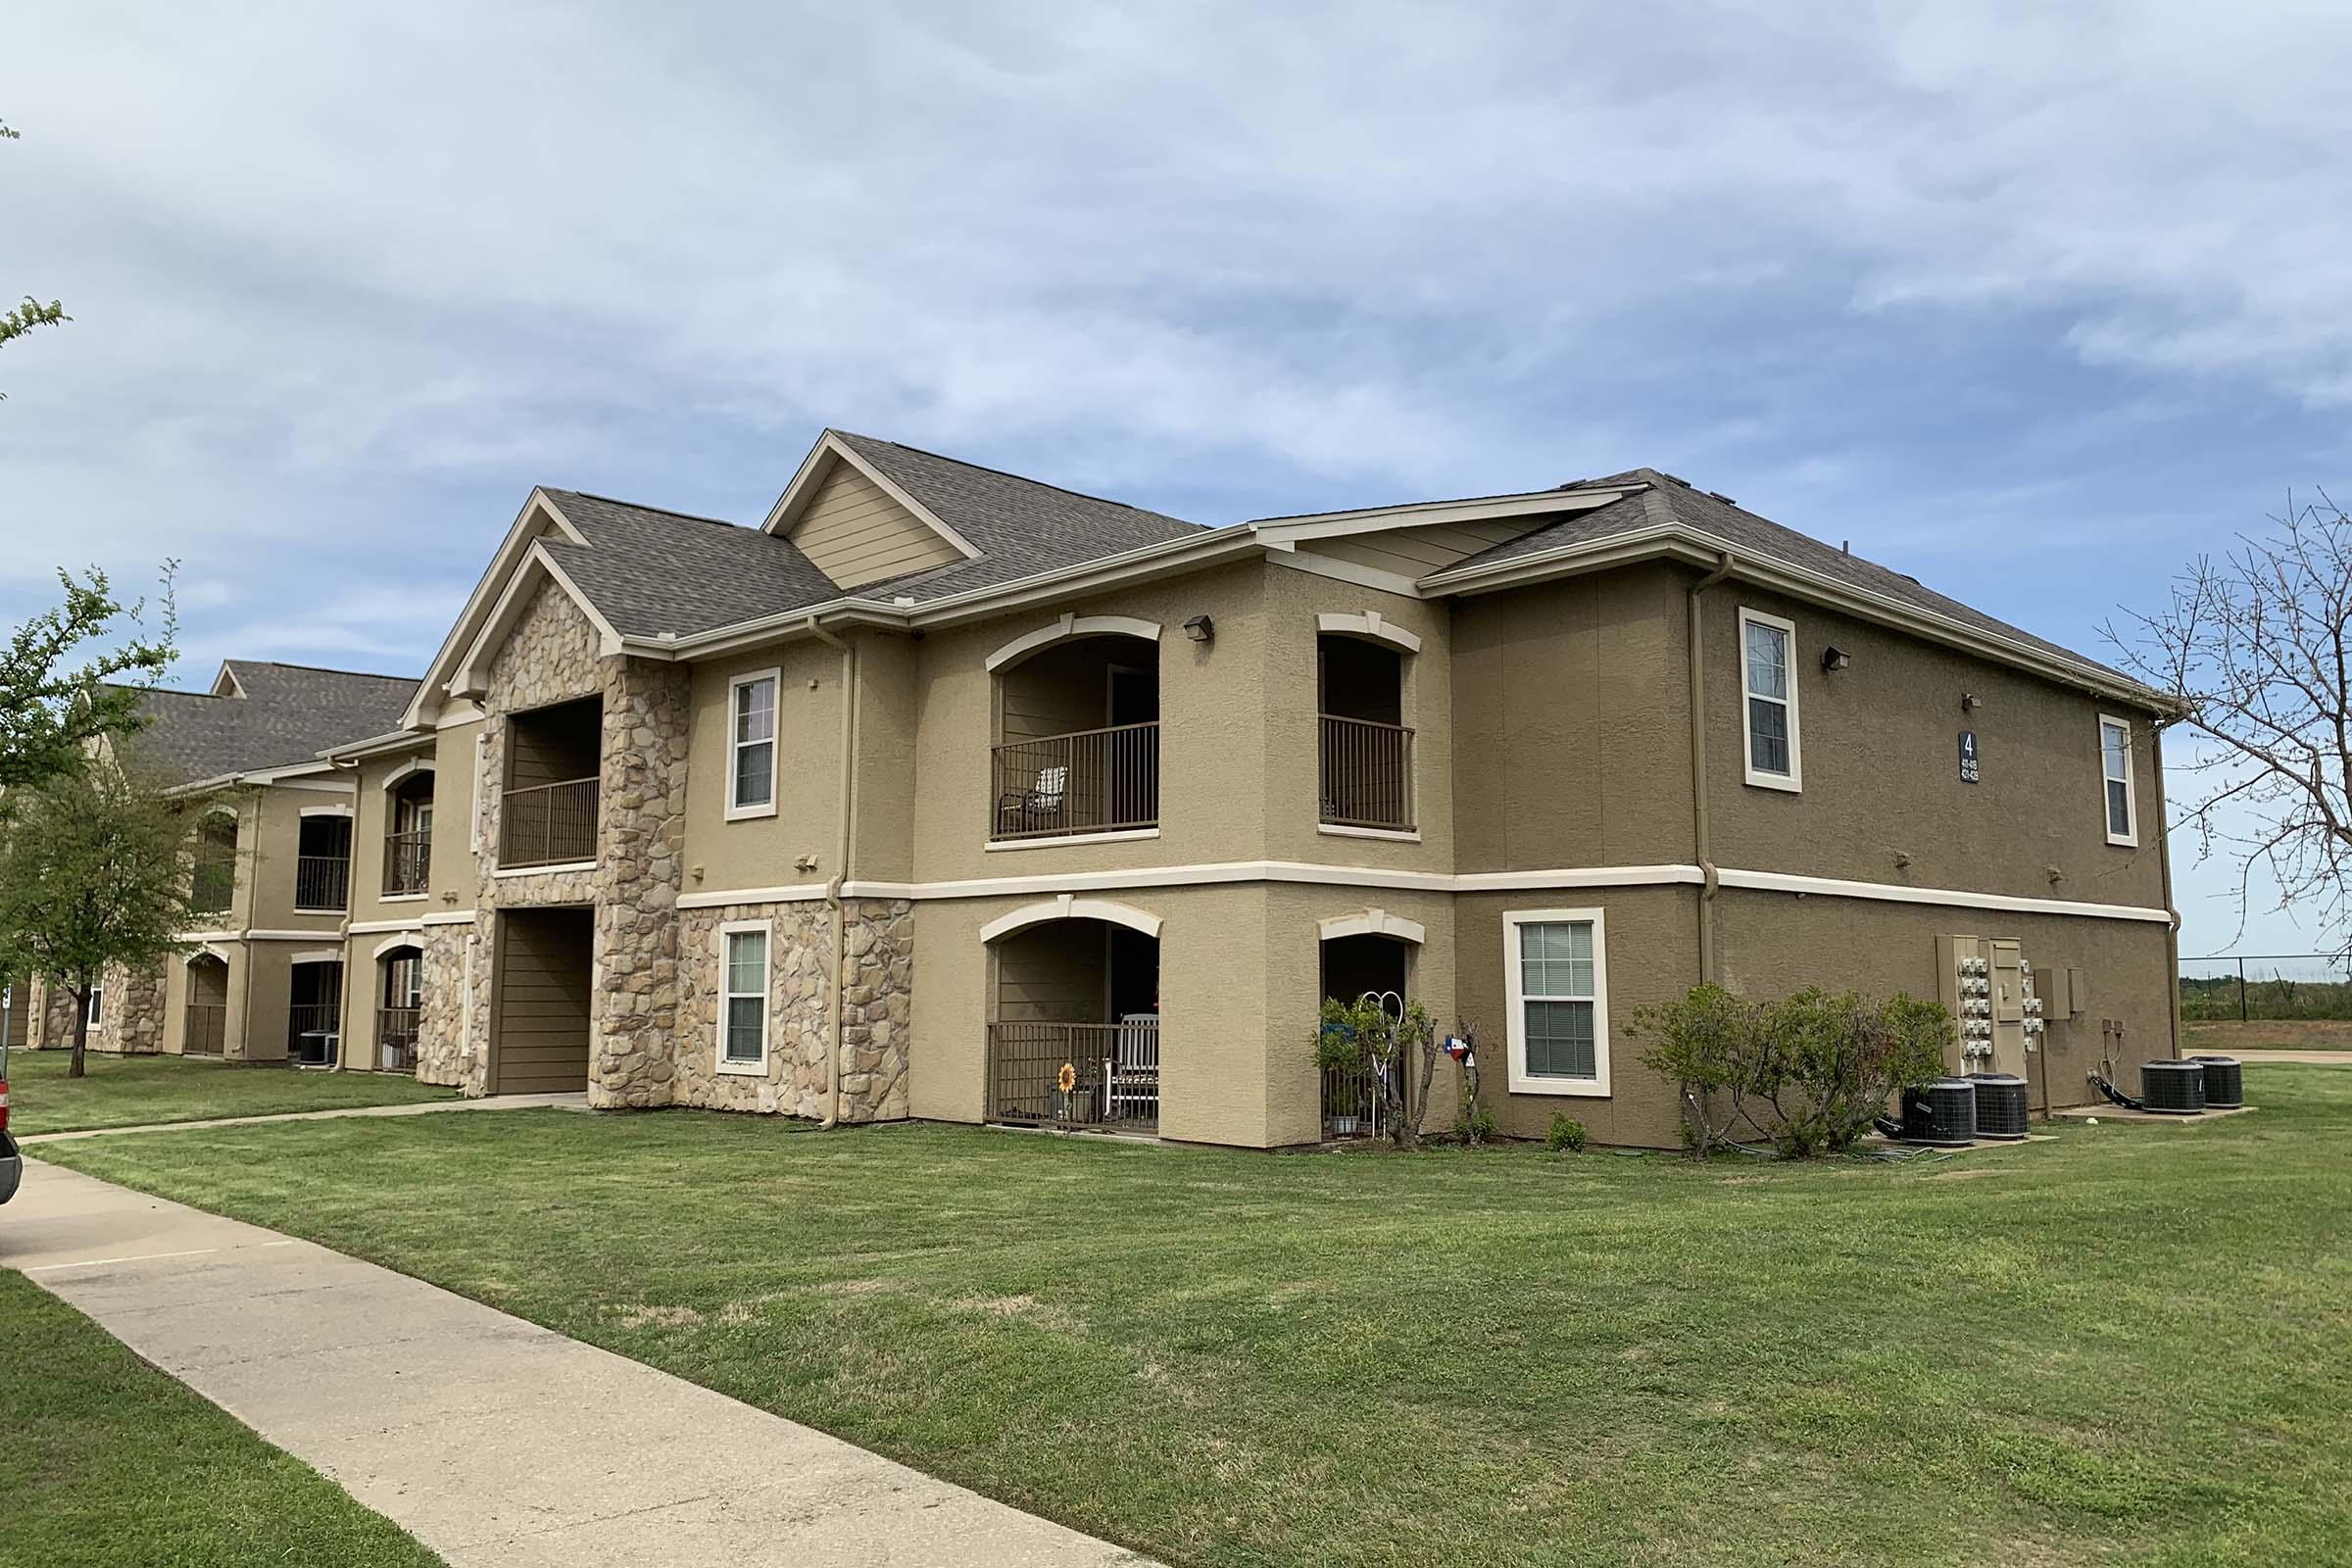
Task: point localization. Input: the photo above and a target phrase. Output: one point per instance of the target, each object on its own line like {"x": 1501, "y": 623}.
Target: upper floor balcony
{"x": 213, "y": 886}
{"x": 409, "y": 844}
{"x": 1364, "y": 748}
{"x": 323, "y": 864}
{"x": 547, "y": 811}
{"x": 1078, "y": 741}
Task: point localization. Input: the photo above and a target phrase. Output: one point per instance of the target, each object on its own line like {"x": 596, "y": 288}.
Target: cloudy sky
{"x": 2034, "y": 306}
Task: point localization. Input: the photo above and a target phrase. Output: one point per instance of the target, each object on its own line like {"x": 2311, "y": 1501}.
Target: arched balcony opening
{"x": 399, "y": 1008}
{"x": 1073, "y": 1034}
{"x": 205, "y": 1020}
{"x": 1365, "y": 748}
{"x": 1077, "y": 739}
{"x": 409, "y": 834}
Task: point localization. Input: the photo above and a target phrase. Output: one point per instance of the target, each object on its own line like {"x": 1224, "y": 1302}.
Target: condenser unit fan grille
{"x": 2224, "y": 1082}
{"x": 2002, "y": 1107}
{"x": 2177, "y": 1088}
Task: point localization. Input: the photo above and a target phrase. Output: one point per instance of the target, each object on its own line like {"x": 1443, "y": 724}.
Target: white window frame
{"x": 1521, "y": 1080}
{"x": 95, "y": 1013}
{"x": 735, "y": 745}
{"x": 768, "y": 989}
{"x": 2130, "y": 837}
{"x": 1793, "y": 780}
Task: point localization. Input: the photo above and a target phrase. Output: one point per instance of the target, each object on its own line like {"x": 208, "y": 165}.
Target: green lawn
{"x": 105, "y": 1461}
{"x": 2125, "y": 1345}
{"x": 133, "y": 1091}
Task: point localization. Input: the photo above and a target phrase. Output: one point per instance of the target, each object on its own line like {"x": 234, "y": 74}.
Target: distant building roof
{"x": 261, "y": 714}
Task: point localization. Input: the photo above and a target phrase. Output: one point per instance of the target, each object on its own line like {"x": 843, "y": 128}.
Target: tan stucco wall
{"x": 371, "y": 822}
{"x": 1213, "y": 716}
{"x": 274, "y": 826}
{"x": 1572, "y": 724}
{"x": 459, "y": 816}
{"x": 757, "y": 852}
{"x": 1881, "y": 764}
{"x": 1240, "y": 990}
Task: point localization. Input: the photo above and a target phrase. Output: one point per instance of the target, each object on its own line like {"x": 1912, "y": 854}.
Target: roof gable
{"x": 856, "y": 532}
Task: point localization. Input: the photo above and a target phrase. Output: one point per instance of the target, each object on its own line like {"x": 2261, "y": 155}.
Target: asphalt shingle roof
{"x": 288, "y": 715}
{"x": 1665, "y": 499}
{"x": 649, "y": 571}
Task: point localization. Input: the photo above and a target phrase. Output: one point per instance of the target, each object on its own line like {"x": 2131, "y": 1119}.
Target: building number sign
{"x": 1968, "y": 757}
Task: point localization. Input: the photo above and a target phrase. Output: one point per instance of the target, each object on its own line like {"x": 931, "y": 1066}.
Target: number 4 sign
{"x": 1968, "y": 757}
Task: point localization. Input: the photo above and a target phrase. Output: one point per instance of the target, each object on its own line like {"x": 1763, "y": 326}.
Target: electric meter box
{"x": 1988, "y": 984}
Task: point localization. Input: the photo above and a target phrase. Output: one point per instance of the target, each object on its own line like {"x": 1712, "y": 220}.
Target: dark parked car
{"x": 12, "y": 1163}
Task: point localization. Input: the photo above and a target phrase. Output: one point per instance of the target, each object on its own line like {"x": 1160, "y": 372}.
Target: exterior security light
{"x": 1836, "y": 658}
{"x": 1970, "y": 702}
{"x": 1200, "y": 628}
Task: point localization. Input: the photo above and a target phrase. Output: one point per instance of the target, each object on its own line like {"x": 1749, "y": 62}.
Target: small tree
{"x": 33, "y": 312}
{"x": 2255, "y": 648}
{"x": 1809, "y": 1072}
{"x": 1362, "y": 1036}
{"x": 62, "y": 687}
{"x": 95, "y": 869}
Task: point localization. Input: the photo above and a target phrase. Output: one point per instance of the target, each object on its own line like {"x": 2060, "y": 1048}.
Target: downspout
{"x": 2164, "y": 862}
{"x": 1711, "y": 883}
{"x": 845, "y": 799}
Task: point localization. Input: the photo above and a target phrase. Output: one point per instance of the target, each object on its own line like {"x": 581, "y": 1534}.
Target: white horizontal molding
{"x": 402, "y": 898}
{"x": 794, "y": 893}
{"x": 1064, "y": 840}
{"x": 1395, "y": 835}
{"x": 374, "y": 928}
{"x": 1069, "y": 625}
{"x": 292, "y": 936}
{"x": 544, "y": 871}
{"x": 449, "y": 917}
{"x": 1589, "y": 876}
{"x": 1891, "y": 892}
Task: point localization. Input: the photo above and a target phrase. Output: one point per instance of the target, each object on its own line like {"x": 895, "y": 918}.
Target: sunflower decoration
{"x": 1067, "y": 1078}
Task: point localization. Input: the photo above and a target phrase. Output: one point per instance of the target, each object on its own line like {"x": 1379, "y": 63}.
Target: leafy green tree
{"x": 33, "y": 312}
{"x": 65, "y": 681}
{"x": 96, "y": 868}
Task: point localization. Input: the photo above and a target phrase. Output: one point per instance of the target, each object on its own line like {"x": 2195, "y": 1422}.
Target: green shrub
{"x": 1474, "y": 1124}
{"x": 1808, "y": 1072}
{"x": 1567, "y": 1132}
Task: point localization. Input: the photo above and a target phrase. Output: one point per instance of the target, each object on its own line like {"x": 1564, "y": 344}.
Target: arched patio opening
{"x": 1073, "y": 1033}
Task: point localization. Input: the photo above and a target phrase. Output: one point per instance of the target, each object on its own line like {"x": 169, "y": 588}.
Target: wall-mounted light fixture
{"x": 1970, "y": 702}
{"x": 1200, "y": 628}
{"x": 1836, "y": 658}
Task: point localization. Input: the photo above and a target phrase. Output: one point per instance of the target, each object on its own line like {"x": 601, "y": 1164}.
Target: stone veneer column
{"x": 875, "y": 1004}
{"x": 641, "y": 830}
{"x": 130, "y": 1017}
{"x": 449, "y": 1048}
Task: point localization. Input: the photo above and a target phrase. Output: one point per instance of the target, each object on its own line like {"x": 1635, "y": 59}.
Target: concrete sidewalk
{"x": 567, "y": 1100}
{"x": 2298, "y": 1059}
{"x": 492, "y": 1440}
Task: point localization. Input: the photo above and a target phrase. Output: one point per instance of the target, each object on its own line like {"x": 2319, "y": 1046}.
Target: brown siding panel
{"x": 856, "y": 534}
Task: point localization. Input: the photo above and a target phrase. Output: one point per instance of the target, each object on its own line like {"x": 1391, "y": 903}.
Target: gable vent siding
{"x": 856, "y": 534}
{"x": 1418, "y": 552}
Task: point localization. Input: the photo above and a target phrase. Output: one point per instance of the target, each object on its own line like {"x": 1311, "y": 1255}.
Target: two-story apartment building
{"x": 949, "y": 793}
{"x": 273, "y": 874}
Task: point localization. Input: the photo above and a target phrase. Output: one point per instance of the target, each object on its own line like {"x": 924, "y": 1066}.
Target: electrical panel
{"x": 1988, "y": 984}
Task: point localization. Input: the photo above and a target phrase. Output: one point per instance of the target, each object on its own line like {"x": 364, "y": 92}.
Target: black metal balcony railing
{"x": 213, "y": 886}
{"x": 396, "y": 1039}
{"x": 322, "y": 881}
{"x": 548, "y": 824}
{"x": 207, "y": 1032}
{"x": 408, "y": 861}
{"x": 311, "y": 1028}
{"x": 1367, "y": 771}
{"x": 1091, "y": 781}
{"x": 1113, "y": 1073}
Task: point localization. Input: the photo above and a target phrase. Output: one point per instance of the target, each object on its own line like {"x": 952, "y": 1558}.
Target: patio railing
{"x": 312, "y": 1029}
{"x": 548, "y": 824}
{"x": 1089, "y": 781}
{"x": 322, "y": 881}
{"x": 1112, "y": 1082}
{"x": 396, "y": 1039}
{"x": 1367, "y": 773}
{"x": 207, "y": 1032}
{"x": 408, "y": 861}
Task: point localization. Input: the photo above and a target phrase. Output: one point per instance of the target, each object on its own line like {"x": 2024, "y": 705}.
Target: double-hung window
{"x": 743, "y": 996}
{"x": 2114, "y": 768}
{"x": 1768, "y": 699}
{"x": 1559, "y": 1001}
{"x": 97, "y": 1004}
{"x": 752, "y": 733}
